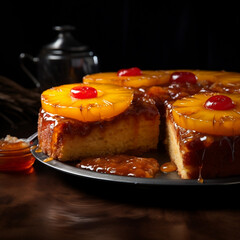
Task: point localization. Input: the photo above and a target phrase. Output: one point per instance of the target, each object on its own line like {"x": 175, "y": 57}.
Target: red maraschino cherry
{"x": 134, "y": 71}
{"x": 83, "y": 92}
{"x": 183, "y": 77}
{"x": 219, "y": 102}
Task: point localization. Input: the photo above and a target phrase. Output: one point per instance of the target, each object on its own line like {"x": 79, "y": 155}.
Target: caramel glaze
{"x": 122, "y": 165}
{"x": 208, "y": 156}
{"x": 172, "y": 92}
{"x": 227, "y": 88}
{"x": 48, "y": 123}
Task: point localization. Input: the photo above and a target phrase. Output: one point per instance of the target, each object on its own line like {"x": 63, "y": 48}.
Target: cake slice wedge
{"x": 67, "y": 136}
{"x": 204, "y": 142}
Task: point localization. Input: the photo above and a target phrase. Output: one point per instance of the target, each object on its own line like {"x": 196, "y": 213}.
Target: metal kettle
{"x": 63, "y": 61}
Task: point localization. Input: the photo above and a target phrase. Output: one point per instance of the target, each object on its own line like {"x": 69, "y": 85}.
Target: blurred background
{"x": 146, "y": 34}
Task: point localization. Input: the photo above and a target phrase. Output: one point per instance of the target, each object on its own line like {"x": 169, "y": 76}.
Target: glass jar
{"x": 15, "y": 154}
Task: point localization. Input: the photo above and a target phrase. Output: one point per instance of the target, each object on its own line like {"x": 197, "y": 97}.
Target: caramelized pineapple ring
{"x": 206, "y": 75}
{"x": 146, "y": 79}
{"x": 110, "y": 101}
{"x": 159, "y": 77}
{"x": 190, "y": 113}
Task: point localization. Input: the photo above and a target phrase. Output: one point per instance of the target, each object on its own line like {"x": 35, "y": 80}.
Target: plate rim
{"x": 66, "y": 168}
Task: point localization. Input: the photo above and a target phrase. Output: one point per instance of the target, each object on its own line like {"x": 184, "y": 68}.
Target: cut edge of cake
{"x": 130, "y": 133}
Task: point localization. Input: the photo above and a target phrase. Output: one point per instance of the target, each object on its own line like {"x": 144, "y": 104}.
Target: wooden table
{"x": 43, "y": 203}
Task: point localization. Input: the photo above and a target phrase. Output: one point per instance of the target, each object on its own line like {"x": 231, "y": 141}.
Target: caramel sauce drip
{"x": 48, "y": 159}
{"x": 168, "y": 167}
{"x": 200, "y": 178}
{"x": 38, "y": 150}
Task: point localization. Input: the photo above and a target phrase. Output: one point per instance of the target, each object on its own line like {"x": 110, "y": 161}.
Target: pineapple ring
{"x": 190, "y": 113}
{"x": 146, "y": 79}
{"x": 160, "y": 77}
{"x": 210, "y": 76}
{"x": 110, "y": 101}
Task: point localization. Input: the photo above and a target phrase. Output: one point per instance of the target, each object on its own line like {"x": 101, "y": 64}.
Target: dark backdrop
{"x": 148, "y": 34}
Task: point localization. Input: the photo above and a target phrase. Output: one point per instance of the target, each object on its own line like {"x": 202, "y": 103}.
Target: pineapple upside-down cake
{"x": 119, "y": 112}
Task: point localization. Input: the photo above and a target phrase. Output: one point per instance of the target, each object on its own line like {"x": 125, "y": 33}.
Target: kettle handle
{"x": 22, "y": 58}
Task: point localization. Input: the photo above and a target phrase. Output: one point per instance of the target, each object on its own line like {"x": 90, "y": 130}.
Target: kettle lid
{"x": 65, "y": 41}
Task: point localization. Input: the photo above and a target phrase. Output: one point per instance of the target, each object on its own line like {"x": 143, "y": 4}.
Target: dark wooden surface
{"x": 43, "y": 203}
{"x": 47, "y": 204}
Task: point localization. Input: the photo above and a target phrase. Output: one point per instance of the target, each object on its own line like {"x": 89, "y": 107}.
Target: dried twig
{"x": 17, "y": 103}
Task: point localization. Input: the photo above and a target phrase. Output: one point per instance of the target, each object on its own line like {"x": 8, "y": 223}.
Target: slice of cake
{"x": 203, "y": 135}
{"x": 92, "y": 120}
